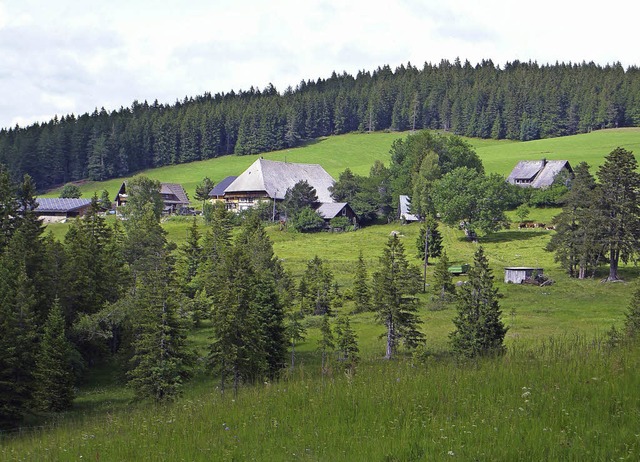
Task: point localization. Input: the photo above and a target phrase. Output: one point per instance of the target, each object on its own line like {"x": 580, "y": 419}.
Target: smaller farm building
{"x": 55, "y": 209}
{"x": 517, "y": 274}
{"x": 330, "y": 210}
{"x": 538, "y": 173}
{"x": 404, "y": 209}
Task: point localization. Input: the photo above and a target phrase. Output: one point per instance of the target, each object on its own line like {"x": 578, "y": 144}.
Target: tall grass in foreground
{"x": 565, "y": 399}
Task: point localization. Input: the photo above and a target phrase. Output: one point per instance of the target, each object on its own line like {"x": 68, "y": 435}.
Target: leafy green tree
{"x": 522, "y": 212}
{"x": 203, "y": 189}
{"x": 302, "y": 195}
{"x": 474, "y": 201}
{"x": 70, "y": 191}
{"x": 620, "y": 187}
{"x": 53, "y": 373}
{"x": 361, "y": 290}
{"x": 142, "y": 191}
{"x": 307, "y": 220}
{"x": 347, "y": 343}
{"x": 479, "y": 329}
{"x": 395, "y": 286}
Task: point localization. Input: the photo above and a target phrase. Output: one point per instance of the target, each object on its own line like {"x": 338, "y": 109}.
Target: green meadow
{"x": 560, "y": 393}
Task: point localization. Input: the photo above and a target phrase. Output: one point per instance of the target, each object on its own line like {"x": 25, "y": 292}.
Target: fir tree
{"x": 395, "y": 285}
{"x": 326, "y": 344}
{"x": 361, "y": 291}
{"x": 53, "y": 373}
{"x": 295, "y": 332}
{"x": 442, "y": 286}
{"x": 433, "y": 240}
{"x": 479, "y": 329}
{"x": 347, "y": 343}
{"x": 316, "y": 288}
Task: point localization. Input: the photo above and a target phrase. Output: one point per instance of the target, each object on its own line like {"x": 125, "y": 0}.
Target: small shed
{"x": 517, "y": 274}
{"x": 404, "y": 209}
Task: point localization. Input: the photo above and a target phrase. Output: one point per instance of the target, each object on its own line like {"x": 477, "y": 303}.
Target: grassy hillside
{"x": 358, "y": 151}
{"x": 559, "y": 394}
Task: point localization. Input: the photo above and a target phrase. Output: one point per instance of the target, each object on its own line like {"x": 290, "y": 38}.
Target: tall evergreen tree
{"x": 53, "y": 374}
{"x": 442, "y": 285}
{"x": 326, "y": 343}
{"x": 395, "y": 286}
{"x": 361, "y": 290}
{"x": 347, "y": 343}
{"x": 479, "y": 329}
{"x": 620, "y": 206}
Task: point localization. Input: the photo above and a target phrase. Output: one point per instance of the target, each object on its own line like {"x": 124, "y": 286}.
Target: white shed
{"x": 517, "y": 274}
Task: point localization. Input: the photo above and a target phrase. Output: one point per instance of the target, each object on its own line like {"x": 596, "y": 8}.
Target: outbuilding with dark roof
{"x": 538, "y": 173}
{"x": 55, "y": 209}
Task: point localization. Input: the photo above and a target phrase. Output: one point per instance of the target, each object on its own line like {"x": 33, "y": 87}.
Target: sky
{"x": 73, "y": 56}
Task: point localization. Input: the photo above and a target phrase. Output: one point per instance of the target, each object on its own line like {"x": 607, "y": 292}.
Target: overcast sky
{"x": 71, "y": 56}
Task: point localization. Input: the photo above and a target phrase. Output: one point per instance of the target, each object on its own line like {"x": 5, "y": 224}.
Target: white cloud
{"x": 70, "y": 56}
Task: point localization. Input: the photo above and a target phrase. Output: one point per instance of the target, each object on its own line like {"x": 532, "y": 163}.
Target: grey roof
{"x": 218, "y": 190}
{"x": 537, "y": 173}
{"x": 275, "y": 178}
{"x": 329, "y": 210}
{"x": 60, "y": 205}
{"x": 405, "y": 209}
{"x": 175, "y": 189}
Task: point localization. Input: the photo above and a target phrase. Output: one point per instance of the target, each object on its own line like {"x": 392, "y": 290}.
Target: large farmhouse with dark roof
{"x": 538, "y": 173}
{"x": 270, "y": 180}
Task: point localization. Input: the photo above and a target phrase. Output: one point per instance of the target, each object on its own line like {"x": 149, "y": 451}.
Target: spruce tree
{"x": 295, "y": 332}
{"x": 361, "y": 291}
{"x": 434, "y": 242}
{"x": 395, "y": 286}
{"x": 620, "y": 207}
{"x": 632, "y": 316}
{"x": 326, "y": 344}
{"x": 316, "y": 288}
{"x": 442, "y": 286}
{"x": 347, "y": 343}
{"x": 53, "y": 373}
{"x": 479, "y": 329}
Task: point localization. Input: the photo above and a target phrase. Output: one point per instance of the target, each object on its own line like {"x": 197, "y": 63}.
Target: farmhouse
{"x": 270, "y": 180}
{"x": 51, "y": 210}
{"x": 538, "y": 173}
{"x": 173, "y": 195}
{"x": 404, "y": 210}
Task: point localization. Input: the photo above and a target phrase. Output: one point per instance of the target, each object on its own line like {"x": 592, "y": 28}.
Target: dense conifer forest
{"x": 520, "y": 101}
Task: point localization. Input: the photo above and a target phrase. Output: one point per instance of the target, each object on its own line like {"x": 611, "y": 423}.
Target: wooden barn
{"x": 55, "y": 209}
{"x": 330, "y": 210}
{"x": 517, "y": 274}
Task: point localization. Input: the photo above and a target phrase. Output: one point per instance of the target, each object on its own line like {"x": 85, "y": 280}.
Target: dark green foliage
{"x": 578, "y": 240}
{"x": 203, "y": 189}
{"x": 632, "y": 316}
{"x": 326, "y": 343}
{"x": 316, "y": 289}
{"x": 442, "y": 286}
{"x": 53, "y": 373}
{"x": 620, "y": 207}
{"x": 361, "y": 290}
{"x": 143, "y": 192}
{"x": 105, "y": 202}
{"x": 522, "y": 100}
{"x": 306, "y": 220}
{"x": 434, "y": 241}
{"x": 295, "y": 332}
{"x": 70, "y": 191}
{"x": 474, "y": 201}
{"x": 190, "y": 257}
{"x": 479, "y": 329}
{"x": 346, "y": 343}
{"x": 394, "y": 287}
{"x": 301, "y": 196}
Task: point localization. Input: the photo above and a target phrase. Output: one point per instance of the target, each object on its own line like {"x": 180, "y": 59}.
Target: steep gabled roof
{"x": 537, "y": 173}
{"x": 275, "y": 178}
{"x": 218, "y": 190}
{"x": 329, "y": 210}
{"x": 52, "y": 205}
{"x": 175, "y": 189}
